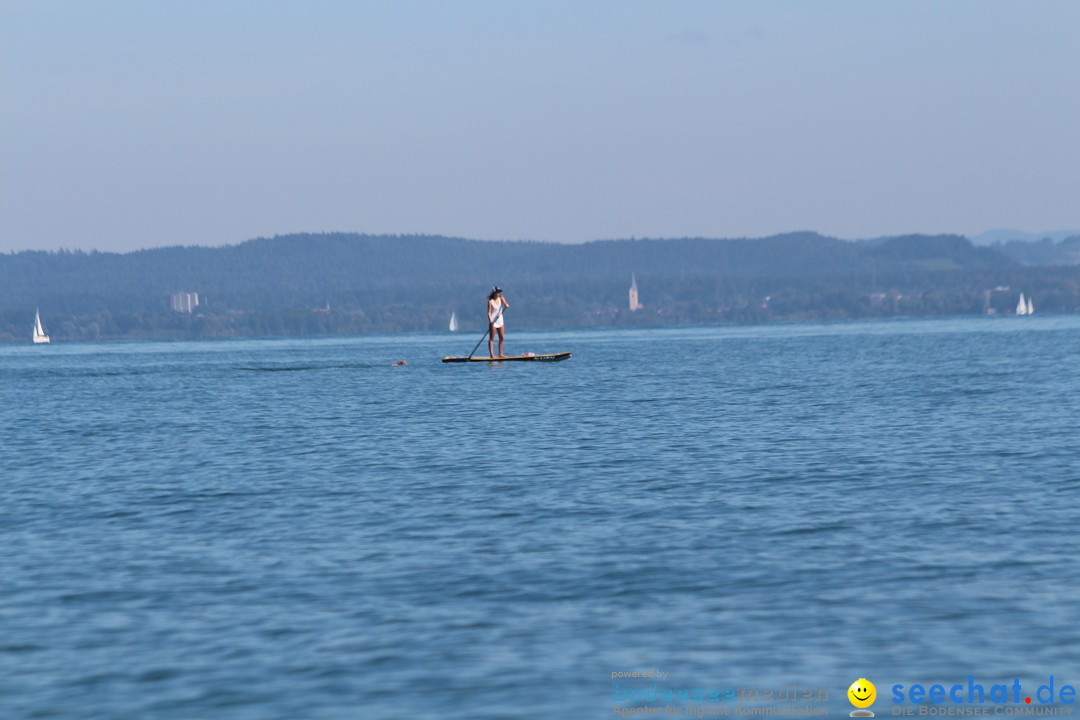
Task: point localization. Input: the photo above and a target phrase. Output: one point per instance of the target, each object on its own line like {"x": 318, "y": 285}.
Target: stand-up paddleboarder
{"x": 496, "y": 304}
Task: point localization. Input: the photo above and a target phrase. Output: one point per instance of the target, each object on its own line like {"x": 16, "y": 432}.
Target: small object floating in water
{"x": 399, "y": 362}
{"x": 551, "y": 357}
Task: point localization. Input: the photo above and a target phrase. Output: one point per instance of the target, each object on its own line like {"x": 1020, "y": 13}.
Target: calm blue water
{"x": 296, "y": 529}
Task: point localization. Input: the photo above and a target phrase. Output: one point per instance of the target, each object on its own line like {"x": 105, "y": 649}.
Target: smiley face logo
{"x": 862, "y": 693}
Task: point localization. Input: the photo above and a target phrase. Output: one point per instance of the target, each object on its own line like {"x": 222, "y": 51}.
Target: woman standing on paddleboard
{"x": 496, "y": 305}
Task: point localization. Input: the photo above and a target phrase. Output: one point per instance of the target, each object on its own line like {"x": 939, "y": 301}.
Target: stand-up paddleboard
{"x": 551, "y": 357}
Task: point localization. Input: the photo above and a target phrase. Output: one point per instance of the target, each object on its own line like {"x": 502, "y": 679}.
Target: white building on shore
{"x": 185, "y": 302}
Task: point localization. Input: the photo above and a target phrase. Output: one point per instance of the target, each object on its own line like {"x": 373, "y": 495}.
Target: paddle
{"x": 482, "y": 337}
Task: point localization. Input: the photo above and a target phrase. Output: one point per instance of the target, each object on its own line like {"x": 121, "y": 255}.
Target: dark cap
{"x": 496, "y": 289}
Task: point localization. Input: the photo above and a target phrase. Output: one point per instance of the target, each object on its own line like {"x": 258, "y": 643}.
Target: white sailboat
{"x": 453, "y": 322}
{"x": 1030, "y": 308}
{"x": 1021, "y": 307}
{"x": 39, "y": 332}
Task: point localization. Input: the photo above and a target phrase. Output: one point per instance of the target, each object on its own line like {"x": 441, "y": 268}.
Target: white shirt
{"x": 495, "y": 312}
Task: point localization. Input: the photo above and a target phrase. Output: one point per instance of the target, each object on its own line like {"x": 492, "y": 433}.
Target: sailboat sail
{"x": 1030, "y": 308}
{"x": 453, "y": 322}
{"x": 1021, "y": 307}
{"x": 39, "y": 332}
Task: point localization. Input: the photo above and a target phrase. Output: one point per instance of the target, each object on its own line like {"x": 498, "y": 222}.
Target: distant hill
{"x": 1004, "y": 235}
{"x": 340, "y": 282}
{"x": 934, "y": 253}
{"x": 1043, "y": 252}
{"x": 301, "y": 270}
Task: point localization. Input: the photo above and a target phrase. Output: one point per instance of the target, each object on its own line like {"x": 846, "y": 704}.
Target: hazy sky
{"x": 139, "y": 123}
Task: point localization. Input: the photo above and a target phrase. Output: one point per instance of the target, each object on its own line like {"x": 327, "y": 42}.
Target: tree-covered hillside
{"x": 350, "y": 283}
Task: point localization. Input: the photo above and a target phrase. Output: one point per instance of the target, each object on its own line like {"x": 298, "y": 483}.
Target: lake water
{"x": 297, "y": 529}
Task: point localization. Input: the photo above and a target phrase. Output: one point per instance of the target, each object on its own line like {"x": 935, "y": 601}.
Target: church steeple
{"x": 634, "y": 304}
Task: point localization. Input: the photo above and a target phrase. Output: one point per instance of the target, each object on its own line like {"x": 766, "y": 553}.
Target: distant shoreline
{"x": 348, "y": 284}
{"x": 1033, "y": 323}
